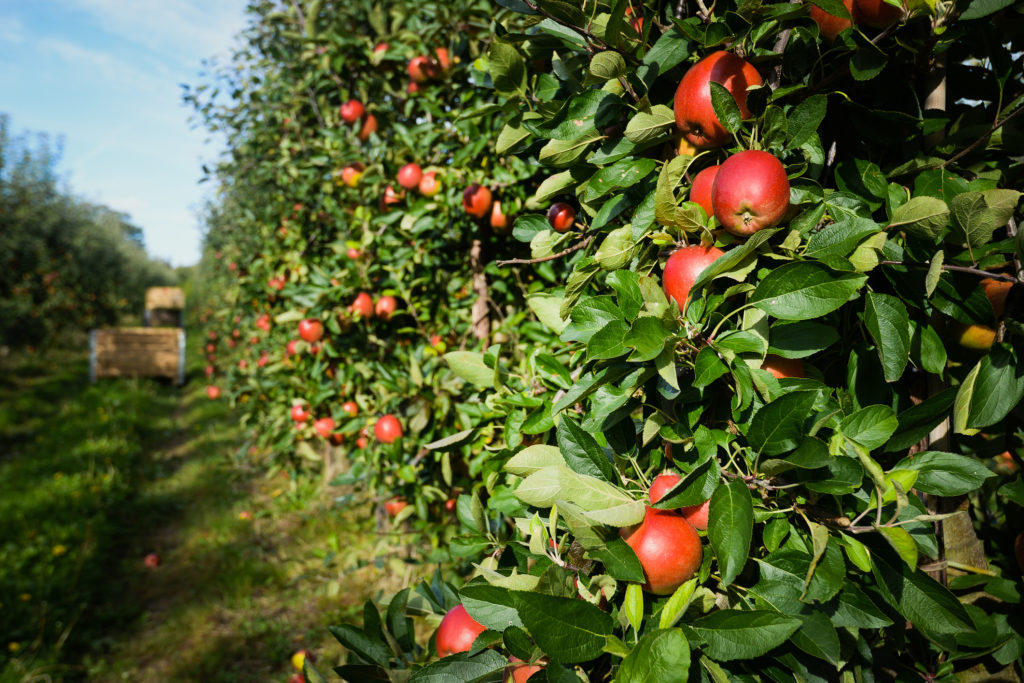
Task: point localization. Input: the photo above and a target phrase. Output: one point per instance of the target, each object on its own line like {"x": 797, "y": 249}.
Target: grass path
{"x": 93, "y": 478}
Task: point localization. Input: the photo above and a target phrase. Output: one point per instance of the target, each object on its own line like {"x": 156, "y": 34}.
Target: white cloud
{"x": 11, "y": 30}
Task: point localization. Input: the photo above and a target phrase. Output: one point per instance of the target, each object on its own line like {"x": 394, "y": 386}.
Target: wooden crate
{"x": 137, "y": 352}
{"x": 165, "y": 297}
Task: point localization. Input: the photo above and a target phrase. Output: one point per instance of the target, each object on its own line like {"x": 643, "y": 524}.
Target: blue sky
{"x": 106, "y": 75}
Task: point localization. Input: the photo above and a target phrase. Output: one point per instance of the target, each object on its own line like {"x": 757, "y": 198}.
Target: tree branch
{"x": 960, "y": 269}
{"x": 970, "y": 148}
{"x": 593, "y": 42}
{"x": 575, "y": 247}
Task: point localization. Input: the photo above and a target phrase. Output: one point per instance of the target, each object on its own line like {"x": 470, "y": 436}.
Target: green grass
{"x": 92, "y": 478}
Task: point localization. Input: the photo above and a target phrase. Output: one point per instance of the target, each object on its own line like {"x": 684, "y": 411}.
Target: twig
{"x": 575, "y": 247}
{"x": 960, "y": 269}
{"x": 593, "y": 42}
{"x": 753, "y": 482}
{"x": 970, "y": 148}
{"x": 780, "y": 46}
{"x": 481, "y": 324}
{"x": 316, "y": 108}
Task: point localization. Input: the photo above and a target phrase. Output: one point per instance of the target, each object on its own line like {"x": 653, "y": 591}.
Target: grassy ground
{"x": 94, "y": 478}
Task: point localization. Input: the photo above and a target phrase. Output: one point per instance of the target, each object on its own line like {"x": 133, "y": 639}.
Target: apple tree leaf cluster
{"x": 834, "y": 397}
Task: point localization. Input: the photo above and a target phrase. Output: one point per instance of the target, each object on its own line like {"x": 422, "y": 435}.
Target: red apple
{"x": 324, "y": 426}
{"x": 443, "y": 59}
{"x": 683, "y": 268}
{"x": 750, "y": 193}
{"x": 388, "y": 429}
{"x": 561, "y": 217}
{"x": 661, "y": 485}
{"x": 263, "y": 322}
{"x": 450, "y": 504}
{"x": 391, "y": 196}
{"x": 363, "y": 305}
{"x": 409, "y": 176}
{"x": 782, "y": 367}
{"x": 352, "y": 173}
{"x": 395, "y": 505}
{"x": 351, "y": 111}
{"x": 210, "y": 370}
{"x": 499, "y": 221}
{"x": 700, "y": 191}
{"x": 430, "y": 184}
{"x": 361, "y": 442}
{"x": 829, "y": 24}
{"x": 354, "y": 254}
{"x": 694, "y": 113}
{"x": 380, "y": 47}
{"x": 876, "y": 13}
{"x": 242, "y": 364}
{"x": 292, "y": 348}
{"x": 368, "y": 128}
{"x": 476, "y": 200}
{"x": 668, "y": 547}
{"x": 350, "y": 407}
{"x": 697, "y": 515}
{"x": 151, "y": 560}
{"x": 311, "y": 330}
{"x": 519, "y": 671}
{"x": 385, "y": 306}
{"x": 213, "y": 392}
{"x": 422, "y": 69}
{"x": 300, "y": 413}
{"x": 457, "y": 632}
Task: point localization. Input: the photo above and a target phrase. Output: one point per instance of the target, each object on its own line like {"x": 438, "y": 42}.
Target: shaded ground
{"x": 94, "y": 478}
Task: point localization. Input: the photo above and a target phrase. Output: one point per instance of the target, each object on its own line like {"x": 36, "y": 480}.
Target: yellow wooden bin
{"x": 137, "y": 352}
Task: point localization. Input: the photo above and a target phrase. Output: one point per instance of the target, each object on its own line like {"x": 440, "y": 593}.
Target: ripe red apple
{"x": 263, "y": 359}
{"x": 151, "y": 560}
{"x": 661, "y": 485}
{"x": 443, "y": 59}
{"x": 476, "y": 200}
{"x": 697, "y": 515}
{"x": 430, "y": 184}
{"x": 361, "y": 442}
{"x": 829, "y": 24}
{"x": 876, "y": 13}
{"x": 324, "y": 426}
{"x": 457, "y": 632}
{"x": 519, "y": 671}
{"x": 242, "y": 364}
{"x": 297, "y": 678}
{"x": 352, "y": 173}
{"x": 292, "y": 348}
{"x": 354, "y": 254}
{"x": 380, "y": 47}
{"x": 300, "y": 413}
{"x": 385, "y": 306}
{"x": 350, "y": 407}
{"x": 210, "y": 370}
{"x": 783, "y": 367}
{"x": 351, "y": 111}
{"x": 263, "y": 322}
{"x": 368, "y": 128}
{"x": 388, "y": 429}
{"x": 561, "y": 217}
{"x": 391, "y": 196}
{"x": 210, "y": 348}
{"x": 499, "y": 221}
{"x": 412, "y": 88}
{"x": 311, "y": 329}
{"x": 695, "y": 115}
{"x": 409, "y": 176}
{"x": 422, "y": 69}
{"x": 450, "y": 504}
{"x": 395, "y": 505}
{"x": 363, "y": 305}
{"x": 436, "y": 341}
{"x": 236, "y": 333}
{"x": 668, "y": 547}
{"x": 750, "y": 193}
{"x": 213, "y": 392}
{"x": 700, "y": 191}
{"x": 683, "y": 268}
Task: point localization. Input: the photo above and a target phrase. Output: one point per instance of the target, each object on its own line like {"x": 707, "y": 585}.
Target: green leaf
{"x": 633, "y": 605}
{"x": 589, "y": 316}
{"x": 730, "y": 527}
{"x": 726, "y": 109}
{"x": 991, "y": 390}
{"x": 946, "y": 474}
{"x": 460, "y": 667}
{"x": 608, "y": 64}
{"x": 619, "y": 560}
{"x": 931, "y": 279}
{"x": 801, "y": 339}
{"x": 805, "y": 290}
{"x": 534, "y": 458}
{"x": 671, "y": 49}
{"x": 541, "y": 488}
{"x": 661, "y": 656}
{"x": 901, "y": 541}
{"x": 650, "y": 125}
{"x": 856, "y": 609}
{"x": 470, "y": 366}
{"x": 567, "y": 629}
{"x": 708, "y": 368}
{"x": 979, "y": 9}
{"x": 616, "y": 248}
{"x": 818, "y": 638}
{"x": 562, "y": 153}
{"x": 492, "y": 606}
{"x": 583, "y": 114}
{"x": 507, "y": 69}
{"x": 921, "y": 216}
{"x": 918, "y": 597}
{"x": 804, "y": 119}
{"x": 546, "y": 307}
{"x": 973, "y": 217}
{"x": 733, "y": 257}
{"x": 740, "y": 634}
{"x": 647, "y": 336}
{"x": 675, "y": 606}
{"x": 618, "y": 176}
{"x": 581, "y": 452}
{"x": 870, "y": 426}
{"x": 609, "y": 341}
{"x": 840, "y": 238}
{"x": 779, "y": 426}
{"x": 696, "y": 487}
{"x": 369, "y": 646}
